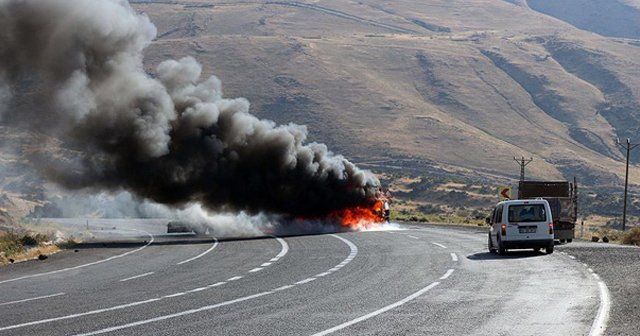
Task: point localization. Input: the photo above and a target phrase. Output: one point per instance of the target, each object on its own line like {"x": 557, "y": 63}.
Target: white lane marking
{"x": 446, "y": 275}
{"x": 283, "y": 252}
{"x": 600, "y": 323}
{"x": 439, "y": 245}
{"x": 379, "y": 311}
{"x": 322, "y": 274}
{"x": 136, "y": 276}
{"x": 31, "y": 299}
{"x": 414, "y": 237}
{"x": 266, "y": 264}
{"x": 257, "y": 269}
{"x": 283, "y": 288}
{"x": 215, "y": 243}
{"x": 454, "y": 257}
{"x": 570, "y": 256}
{"x": 27, "y": 324}
{"x": 305, "y": 281}
{"x": 166, "y": 317}
{"x": 217, "y": 284}
{"x": 175, "y": 295}
{"x": 83, "y": 265}
{"x": 354, "y": 251}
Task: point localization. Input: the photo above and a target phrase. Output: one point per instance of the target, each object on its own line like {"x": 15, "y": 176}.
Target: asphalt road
{"x": 416, "y": 280}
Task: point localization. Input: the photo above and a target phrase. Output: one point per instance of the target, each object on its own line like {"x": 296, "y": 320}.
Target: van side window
{"x": 498, "y": 217}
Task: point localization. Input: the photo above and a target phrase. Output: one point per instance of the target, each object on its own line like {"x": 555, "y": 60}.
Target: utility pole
{"x": 522, "y": 162}
{"x": 628, "y": 146}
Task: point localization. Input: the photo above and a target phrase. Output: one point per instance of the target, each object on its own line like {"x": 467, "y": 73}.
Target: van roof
{"x": 523, "y": 201}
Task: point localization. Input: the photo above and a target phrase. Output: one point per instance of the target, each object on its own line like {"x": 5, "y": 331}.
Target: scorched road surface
{"x": 409, "y": 281}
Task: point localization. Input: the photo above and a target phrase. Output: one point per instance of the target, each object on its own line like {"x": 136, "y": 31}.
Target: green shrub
{"x": 10, "y": 244}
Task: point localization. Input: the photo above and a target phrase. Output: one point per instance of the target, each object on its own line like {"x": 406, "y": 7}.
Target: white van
{"x": 518, "y": 224}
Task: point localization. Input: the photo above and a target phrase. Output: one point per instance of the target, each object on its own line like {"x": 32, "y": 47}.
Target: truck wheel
{"x": 501, "y": 249}
{"x": 490, "y": 244}
{"x": 549, "y": 248}
{"x": 536, "y": 249}
{"x": 569, "y": 240}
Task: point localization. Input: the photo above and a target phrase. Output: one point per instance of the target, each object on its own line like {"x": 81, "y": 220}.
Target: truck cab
{"x": 521, "y": 224}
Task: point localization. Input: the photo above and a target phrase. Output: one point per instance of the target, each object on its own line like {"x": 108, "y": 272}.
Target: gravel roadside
{"x": 619, "y": 267}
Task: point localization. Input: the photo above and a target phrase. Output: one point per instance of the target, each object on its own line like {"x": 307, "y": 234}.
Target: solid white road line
{"x": 83, "y": 265}
{"x": 379, "y": 311}
{"x": 31, "y": 299}
{"x": 352, "y": 254}
{"x": 439, "y": 245}
{"x": 133, "y": 304}
{"x": 446, "y": 275}
{"x": 166, "y": 317}
{"x": 235, "y": 278}
{"x": 305, "y": 281}
{"x": 215, "y": 243}
{"x": 454, "y": 257}
{"x": 599, "y": 325}
{"x": 283, "y": 252}
{"x": 136, "y": 276}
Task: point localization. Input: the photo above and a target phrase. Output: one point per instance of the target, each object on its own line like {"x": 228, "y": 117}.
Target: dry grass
{"x": 29, "y": 246}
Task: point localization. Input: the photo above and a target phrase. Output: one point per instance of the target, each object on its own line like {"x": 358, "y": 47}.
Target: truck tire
{"x": 536, "y": 249}
{"x": 549, "y": 248}
{"x": 569, "y": 240}
{"x": 490, "y": 244}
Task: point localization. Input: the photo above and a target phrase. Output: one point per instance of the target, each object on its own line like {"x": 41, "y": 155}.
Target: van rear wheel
{"x": 549, "y": 248}
{"x": 501, "y": 248}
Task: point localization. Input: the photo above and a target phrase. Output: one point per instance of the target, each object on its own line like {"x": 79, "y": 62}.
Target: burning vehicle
{"x": 179, "y": 226}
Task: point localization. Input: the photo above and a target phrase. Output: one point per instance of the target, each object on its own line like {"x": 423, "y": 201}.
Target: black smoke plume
{"x": 168, "y": 137}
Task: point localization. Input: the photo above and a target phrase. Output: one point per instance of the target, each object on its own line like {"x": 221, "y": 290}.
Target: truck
{"x": 563, "y": 200}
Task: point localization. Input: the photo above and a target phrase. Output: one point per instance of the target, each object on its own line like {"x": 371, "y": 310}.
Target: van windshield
{"x": 527, "y": 213}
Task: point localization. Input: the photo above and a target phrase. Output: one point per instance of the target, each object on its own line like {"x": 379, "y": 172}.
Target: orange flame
{"x": 360, "y": 217}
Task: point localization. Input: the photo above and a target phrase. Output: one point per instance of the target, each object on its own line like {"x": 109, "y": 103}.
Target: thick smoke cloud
{"x": 171, "y": 137}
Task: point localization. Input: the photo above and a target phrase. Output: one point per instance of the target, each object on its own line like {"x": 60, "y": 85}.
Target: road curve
{"x": 411, "y": 281}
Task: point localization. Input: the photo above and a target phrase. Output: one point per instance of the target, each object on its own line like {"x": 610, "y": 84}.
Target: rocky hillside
{"x": 451, "y": 84}
{"x": 440, "y": 87}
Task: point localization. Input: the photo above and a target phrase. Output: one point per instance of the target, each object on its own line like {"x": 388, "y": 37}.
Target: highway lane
{"x": 417, "y": 281}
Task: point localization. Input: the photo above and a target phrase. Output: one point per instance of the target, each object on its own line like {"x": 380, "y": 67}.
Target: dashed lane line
{"x": 137, "y": 276}
{"x": 439, "y": 245}
{"x": 354, "y": 251}
{"x": 284, "y": 250}
{"x": 454, "y": 257}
